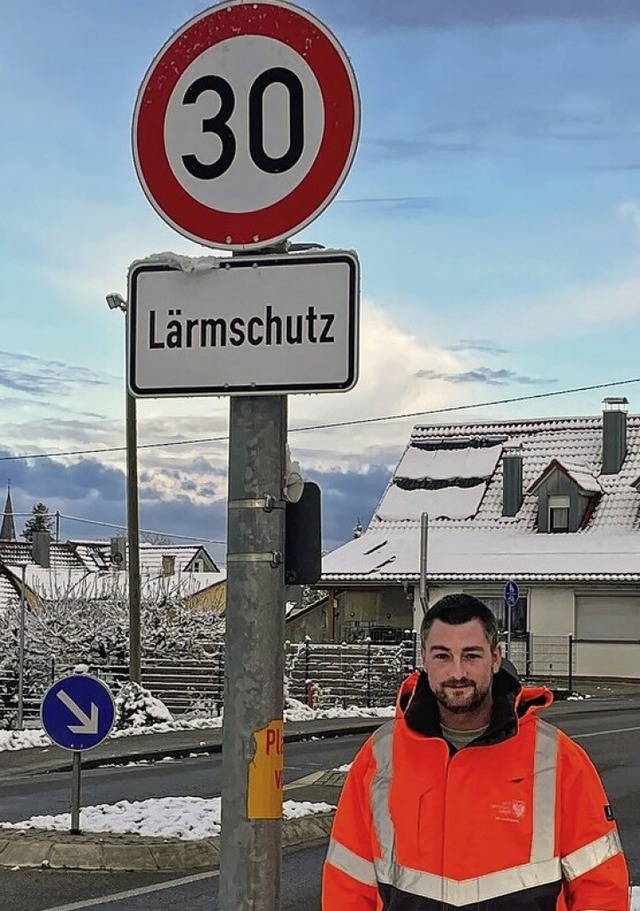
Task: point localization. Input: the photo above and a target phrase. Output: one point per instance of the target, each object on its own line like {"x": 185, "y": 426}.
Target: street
{"x": 611, "y": 738}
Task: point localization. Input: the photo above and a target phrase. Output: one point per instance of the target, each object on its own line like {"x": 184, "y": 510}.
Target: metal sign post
{"x": 511, "y": 598}
{"x": 250, "y": 847}
{"x": 77, "y": 712}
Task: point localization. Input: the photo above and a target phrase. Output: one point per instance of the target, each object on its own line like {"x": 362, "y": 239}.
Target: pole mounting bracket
{"x": 268, "y": 503}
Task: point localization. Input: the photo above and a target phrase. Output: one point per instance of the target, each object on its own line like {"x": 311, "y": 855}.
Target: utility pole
{"x": 251, "y": 840}
{"x": 115, "y": 301}
{"x": 20, "y": 714}
{"x": 133, "y": 539}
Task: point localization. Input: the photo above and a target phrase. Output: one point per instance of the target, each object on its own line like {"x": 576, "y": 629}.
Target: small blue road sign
{"x": 511, "y": 594}
{"x": 77, "y": 712}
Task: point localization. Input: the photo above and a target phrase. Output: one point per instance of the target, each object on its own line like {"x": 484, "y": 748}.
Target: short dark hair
{"x": 461, "y": 608}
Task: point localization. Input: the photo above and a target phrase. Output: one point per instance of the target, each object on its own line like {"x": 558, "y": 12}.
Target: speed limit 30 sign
{"x": 246, "y": 124}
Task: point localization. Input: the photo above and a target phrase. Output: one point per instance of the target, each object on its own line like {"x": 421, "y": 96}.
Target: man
{"x": 468, "y": 799}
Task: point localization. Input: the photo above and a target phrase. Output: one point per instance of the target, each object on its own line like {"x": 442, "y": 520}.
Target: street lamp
{"x": 115, "y": 301}
{"x": 20, "y": 718}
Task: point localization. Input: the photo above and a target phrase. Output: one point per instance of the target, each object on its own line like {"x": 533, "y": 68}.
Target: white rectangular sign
{"x": 248, "y": 325}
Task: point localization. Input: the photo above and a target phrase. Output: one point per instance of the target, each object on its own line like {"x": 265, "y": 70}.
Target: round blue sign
{"x": 78, "y": 712}
{"x": 511, "y": 594}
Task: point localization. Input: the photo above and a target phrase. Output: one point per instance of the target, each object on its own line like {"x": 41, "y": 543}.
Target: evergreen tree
{"x": 40, "y": 520}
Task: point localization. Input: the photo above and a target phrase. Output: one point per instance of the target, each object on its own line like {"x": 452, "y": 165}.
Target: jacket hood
{"x": 512, "y": 704}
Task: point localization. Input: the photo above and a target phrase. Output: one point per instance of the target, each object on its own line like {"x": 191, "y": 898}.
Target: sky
{"x": 493, "y": 202}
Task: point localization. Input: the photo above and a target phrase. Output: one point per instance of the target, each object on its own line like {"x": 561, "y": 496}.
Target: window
{"x": 518, "y": 614}
{"x": 168, "y": 565}
{"x": 559, "y": 513}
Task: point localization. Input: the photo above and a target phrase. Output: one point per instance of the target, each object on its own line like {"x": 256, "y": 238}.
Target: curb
{"x": 54, "y": 850}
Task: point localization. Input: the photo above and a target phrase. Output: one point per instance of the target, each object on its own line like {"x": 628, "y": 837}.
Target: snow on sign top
{"x": 246, "y": 124}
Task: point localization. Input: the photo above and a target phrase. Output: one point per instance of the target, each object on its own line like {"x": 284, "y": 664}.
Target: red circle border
{"x": 315, "y": 190}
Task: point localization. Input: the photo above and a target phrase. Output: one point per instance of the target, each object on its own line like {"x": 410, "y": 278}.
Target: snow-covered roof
{"x": 96, "y": 555}
{"x": 48, "y": 583}
{"x": 579, "y": 474}
{"x": 60, "y": 555}
{"x": 455, "y": 474}
{"x": 456, "y": 554}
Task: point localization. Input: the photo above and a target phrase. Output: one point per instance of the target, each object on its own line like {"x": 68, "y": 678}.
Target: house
{"x": 551, "y": 504}
{"x": 94, "y": 568}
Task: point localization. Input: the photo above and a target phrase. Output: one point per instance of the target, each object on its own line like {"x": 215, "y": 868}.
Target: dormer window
{"x": 559, "y": 511}
{"x": 567, "y": 496}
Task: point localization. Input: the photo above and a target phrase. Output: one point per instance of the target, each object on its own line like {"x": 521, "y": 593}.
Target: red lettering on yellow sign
{"x": 264, "y": 794}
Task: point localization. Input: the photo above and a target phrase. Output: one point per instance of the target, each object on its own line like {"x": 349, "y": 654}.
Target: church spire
{"x": 8, "y": 529}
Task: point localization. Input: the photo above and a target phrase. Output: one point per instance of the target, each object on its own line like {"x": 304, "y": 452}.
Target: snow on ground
{"x": 175, "y": 817}
{"x": 36, "y": 737}
{"x": 188, "y": 818}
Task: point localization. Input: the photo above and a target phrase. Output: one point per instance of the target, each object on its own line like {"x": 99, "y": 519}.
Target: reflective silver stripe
{"x": 351, "y": 863}
{"x": 382, "y": 747}
{"x": 592, "y": 855}
{"x": 477, "y": 889}
{"x": 545, "y": 770}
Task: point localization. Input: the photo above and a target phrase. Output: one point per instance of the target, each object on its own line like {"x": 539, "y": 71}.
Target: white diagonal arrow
{"x": 89, "y": 725}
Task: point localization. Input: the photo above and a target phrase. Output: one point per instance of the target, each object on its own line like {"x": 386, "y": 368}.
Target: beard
{"x": 461, "y": 700}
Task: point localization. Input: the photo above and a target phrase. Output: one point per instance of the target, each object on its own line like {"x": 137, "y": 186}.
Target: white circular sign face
{"x": 246, "y": 124}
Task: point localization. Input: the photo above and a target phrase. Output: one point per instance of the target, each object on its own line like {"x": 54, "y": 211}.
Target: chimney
{"x": 614, "y": 434}
{"x": 118, "y": 554}
{"x": 40, "y": 548}
{"x": 511, "y": 482}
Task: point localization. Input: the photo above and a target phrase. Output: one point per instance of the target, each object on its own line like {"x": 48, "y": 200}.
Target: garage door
{"x": 607, "y": 617}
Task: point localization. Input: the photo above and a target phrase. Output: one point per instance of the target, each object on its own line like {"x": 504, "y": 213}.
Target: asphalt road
{"x": 612, "y": 740}
{"x": 200, "y": 776}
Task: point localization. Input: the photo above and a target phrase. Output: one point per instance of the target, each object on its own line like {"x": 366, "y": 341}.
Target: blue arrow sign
{"x": 78, "y": 712}
{"x": 511, "y": 594}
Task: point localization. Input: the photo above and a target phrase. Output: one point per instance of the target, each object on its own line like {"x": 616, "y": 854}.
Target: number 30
{"x": 219, "y": 125}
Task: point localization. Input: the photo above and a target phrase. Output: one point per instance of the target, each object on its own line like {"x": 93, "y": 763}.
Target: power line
{"x": 447, "y": 409}
{"x": 146, "y": 531}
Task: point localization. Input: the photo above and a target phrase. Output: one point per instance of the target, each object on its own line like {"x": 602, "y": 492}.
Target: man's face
{"x": 460, "y": 665}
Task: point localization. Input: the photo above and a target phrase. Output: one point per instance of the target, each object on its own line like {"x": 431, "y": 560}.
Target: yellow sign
{"x": 264, "y": 797}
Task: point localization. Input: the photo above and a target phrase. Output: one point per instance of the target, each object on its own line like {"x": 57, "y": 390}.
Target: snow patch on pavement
{"x": 188, "y": 818}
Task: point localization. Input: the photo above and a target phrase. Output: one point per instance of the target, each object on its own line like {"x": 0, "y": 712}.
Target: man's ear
{"x": 497, "y": 660}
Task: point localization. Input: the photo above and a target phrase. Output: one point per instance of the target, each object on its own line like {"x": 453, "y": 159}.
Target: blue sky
{"x": 494, "y": 203}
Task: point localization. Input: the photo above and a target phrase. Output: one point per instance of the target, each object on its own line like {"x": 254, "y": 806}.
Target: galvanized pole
{"x": 424, "y": 548}
{"x": 133, "y": 538}
{"x": 251, "y": 841}
{"x": 76, "y": 767}
{"x": 20, "y": 718}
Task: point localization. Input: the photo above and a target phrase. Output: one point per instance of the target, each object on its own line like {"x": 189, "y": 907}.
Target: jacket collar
{"x": 511, "y": 703}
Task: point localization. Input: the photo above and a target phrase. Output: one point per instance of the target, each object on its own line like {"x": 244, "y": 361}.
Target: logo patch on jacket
{"x": 608, "y": 812}
{"x": 510, "y": 810}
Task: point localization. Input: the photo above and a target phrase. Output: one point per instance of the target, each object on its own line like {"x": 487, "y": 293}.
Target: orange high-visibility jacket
{"x": 516, "y": 821}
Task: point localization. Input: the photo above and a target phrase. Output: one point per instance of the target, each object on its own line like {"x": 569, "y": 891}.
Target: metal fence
{"x": 544, "y": 659}
{"x": 318, "y": 674}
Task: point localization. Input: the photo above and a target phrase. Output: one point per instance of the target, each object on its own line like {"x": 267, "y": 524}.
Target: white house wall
{"x": 607, "y": 659}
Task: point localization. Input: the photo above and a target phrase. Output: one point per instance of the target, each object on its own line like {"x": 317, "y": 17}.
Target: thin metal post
{"x": 75, "y": 793}
{"x": 57, "y": 526}
{"x": 570, "y": 664}
{"x": 368, "y": 673}
{"x": 133, "y": 539}
{"x": 331, "y": 615}
{"x": 424, "y": 544}
{"x": 20, "y": 718}
{"x": 251, "y": 848}
{"x": 508, "y": 644}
